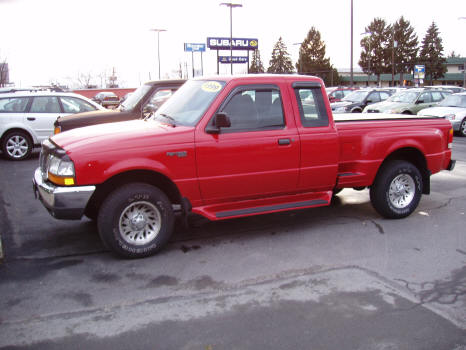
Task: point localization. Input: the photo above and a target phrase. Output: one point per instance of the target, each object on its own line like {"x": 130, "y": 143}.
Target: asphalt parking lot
{"x": 339, "y": 277}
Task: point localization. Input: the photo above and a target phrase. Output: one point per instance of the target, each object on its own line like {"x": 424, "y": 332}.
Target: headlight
{"x": 450, "y": 116}
{"x": 60, "y": 171}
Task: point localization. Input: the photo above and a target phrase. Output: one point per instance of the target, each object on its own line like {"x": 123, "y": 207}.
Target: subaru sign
{"x": 192, "y": 47}
{"x": 236, "y": 44}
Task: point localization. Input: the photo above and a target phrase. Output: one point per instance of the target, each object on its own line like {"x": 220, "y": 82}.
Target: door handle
{"x": 31, "y": 118}
{"x": 284, "y": 142}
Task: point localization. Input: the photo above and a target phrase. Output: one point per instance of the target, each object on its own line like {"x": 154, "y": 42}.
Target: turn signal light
{"x": 450, "y": 139}
{"x": 56, "y": 130}
{"x": 61, "y": 180}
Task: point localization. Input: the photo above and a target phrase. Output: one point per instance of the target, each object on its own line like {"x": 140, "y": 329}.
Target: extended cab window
{"x": 254, "y": 108}
{"x": 311, "y": 106}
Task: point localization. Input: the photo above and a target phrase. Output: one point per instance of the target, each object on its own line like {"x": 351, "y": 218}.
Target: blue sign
{"x": 236, "y": 44}
{"x": 192, "y": 47}
{"x": 236, "y": 59}
{"x": 418, "y": 68}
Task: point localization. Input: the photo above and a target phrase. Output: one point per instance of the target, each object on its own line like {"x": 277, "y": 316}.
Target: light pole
{"x": 299, "y": 57}
{"x": 351, "y": 63}
{"x": 464, "y": 65}
{"x": 158, "y": 44}
{"x": 369, "y": 56}
{"x": 231, "y": 5}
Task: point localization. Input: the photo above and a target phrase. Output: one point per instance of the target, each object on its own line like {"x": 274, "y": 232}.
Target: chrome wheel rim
{"x": 17, "y": 146}
{"x": 140, "y": 223}
{"x": 401, "y": 191}
{"x": 463, "y": 127}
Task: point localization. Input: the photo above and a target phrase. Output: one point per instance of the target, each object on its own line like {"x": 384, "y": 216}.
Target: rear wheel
{"x": 136, "y": 220}
{"x": 397, "y": 189}
{"x": 17, "y": 145}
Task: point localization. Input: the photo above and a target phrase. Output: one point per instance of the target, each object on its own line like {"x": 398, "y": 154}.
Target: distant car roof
{"x": 40, "y": 93}
{"x": 165, "y": 82}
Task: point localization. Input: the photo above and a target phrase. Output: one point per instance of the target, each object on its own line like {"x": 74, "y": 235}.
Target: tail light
{"x": 450, "y": 138}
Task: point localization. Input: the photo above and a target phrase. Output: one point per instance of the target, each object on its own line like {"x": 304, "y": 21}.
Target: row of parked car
{"x": 29, "y": 117}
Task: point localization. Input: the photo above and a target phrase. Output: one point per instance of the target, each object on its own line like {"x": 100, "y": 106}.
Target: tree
{"x": 406, "y": 50}
{"x": 453, "y": 54}
{"x": 280, "y": 61}
{"x": 4, "y": 78}
{"x": 312, "y": 58}
{"x": 375, "y": 57}
{"x": 432, "y": 54}
{"x": 256, "y": 65}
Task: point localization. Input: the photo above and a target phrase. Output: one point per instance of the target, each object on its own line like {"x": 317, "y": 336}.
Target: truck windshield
{"x": 136, "y": 96}
{"x": 189, "y": 103}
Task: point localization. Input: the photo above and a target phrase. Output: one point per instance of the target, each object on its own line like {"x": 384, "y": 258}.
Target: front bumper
{"x": 66, "y": 203}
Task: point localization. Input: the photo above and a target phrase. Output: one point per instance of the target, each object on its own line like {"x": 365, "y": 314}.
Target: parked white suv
{"x": 26, "y": 118}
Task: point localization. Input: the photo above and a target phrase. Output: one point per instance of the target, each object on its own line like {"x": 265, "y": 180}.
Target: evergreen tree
{"x": 256, "y": 65}
{"x": 375, "y": 57}
{"x": 280, "y": 61}
{"x": 312, "y": 59}
{"x": 432, "y": 54}
{"x": 453, "y": 54}
{"x": 407, "y": 46}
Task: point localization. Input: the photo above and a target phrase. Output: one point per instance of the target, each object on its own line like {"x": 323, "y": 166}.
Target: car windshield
{"x": 189, "y": 103}
{"x": 454, "y": 101}
{"x": 404, "y": 97}
{"x": 134, "y": 98}
{"x": 356, "y": 96}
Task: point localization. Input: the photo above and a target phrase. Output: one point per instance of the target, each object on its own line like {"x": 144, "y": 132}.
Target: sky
{"x": 47, "y": 41}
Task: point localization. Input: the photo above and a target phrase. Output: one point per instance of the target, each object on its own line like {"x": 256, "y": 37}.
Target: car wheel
{"x": 356, "y": 111}
{"x": 17, "y": 145}
{"x": 407, "y": 113}
{"x": 397, "y": 189}
{"x": 135, "y": 220}
{"x": 463, "y": 127}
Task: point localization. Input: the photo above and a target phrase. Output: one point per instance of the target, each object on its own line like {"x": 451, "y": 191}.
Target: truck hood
{"x": 127, "y": 135}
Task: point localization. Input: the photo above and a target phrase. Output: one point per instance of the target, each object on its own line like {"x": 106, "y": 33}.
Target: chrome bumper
{"x": 62, "y": 202}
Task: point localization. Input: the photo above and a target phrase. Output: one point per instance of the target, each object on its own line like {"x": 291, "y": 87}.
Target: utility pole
{"x": 231, "y": 5}
{"x": 351, "y": 66}
{"x": 158, "y": 44}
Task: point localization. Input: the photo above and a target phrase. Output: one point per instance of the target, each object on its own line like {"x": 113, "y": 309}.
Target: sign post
{"x": 221, "y": 43}
{"x": 193, "y": 47}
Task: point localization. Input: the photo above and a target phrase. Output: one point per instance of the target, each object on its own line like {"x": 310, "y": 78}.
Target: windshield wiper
{"x": 170, "y": 118}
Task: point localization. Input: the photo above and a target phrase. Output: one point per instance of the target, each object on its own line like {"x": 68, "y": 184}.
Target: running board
{"x": 264, "y": 206}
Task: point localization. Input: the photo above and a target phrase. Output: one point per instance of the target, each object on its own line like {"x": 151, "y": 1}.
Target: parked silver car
{"x": 26, "y": 118}
{"x": 453, "y": 108}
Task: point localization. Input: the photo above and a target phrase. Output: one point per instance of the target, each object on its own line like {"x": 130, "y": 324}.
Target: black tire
{"x": 17, "y": 145}
{"x": 135, "y": 220}
{"x": 462, "y": 130}
{"x": 407, "y": 113}
{"x": 397, "y": 189}
{"x": 356, "y": 111}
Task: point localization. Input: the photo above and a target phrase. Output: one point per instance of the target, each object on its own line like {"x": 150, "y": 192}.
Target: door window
{"x": 45, "y": 104}
{"x": 425, "y": 97}
{"x": 437, "y": 96}
{"x": 255, "y": 109}
{"x": 13, "y": 104}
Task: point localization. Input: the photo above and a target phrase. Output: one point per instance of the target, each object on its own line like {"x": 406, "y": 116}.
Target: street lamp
{"x": 369, "y": 52}
{"x": 158, "y": 43}
{"x": 464, "y": 64}
{"x": 231, "y": 5}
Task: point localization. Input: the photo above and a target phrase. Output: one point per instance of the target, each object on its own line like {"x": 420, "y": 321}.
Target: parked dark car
{"x": 142, "y": 102}
{"x": 107, "y": 99}
{"x": 356, "y": 101}
{"x": 336, "y": 94}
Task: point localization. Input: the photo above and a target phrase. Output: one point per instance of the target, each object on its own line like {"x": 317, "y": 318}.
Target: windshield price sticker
{"x": 211, "y": 86}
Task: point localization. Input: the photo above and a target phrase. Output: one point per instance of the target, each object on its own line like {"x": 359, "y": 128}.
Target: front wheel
{"x": 136, "y": 220}
{"x": 397, "y": 189}
{"x": 463, "y": 127}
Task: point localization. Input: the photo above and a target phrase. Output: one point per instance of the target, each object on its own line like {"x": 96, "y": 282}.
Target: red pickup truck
{"x": 229, "y": 147}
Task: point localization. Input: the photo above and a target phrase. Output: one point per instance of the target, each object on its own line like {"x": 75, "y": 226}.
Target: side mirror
{"x": 369, "y": 101}
{"x": 220, "y": 120}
